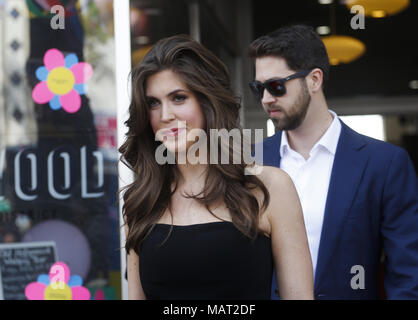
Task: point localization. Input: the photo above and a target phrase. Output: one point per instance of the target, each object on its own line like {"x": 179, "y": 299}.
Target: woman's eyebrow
{"x": 168, "y": 95}
{"x": 175, "y": 91}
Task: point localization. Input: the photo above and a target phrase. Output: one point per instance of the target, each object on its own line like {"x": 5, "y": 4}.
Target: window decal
{"x": 62, "y": 81}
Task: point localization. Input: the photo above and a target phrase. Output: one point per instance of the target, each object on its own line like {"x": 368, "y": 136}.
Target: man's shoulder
{"x": 371, "y": 143}
{"x": 374, "y": 147}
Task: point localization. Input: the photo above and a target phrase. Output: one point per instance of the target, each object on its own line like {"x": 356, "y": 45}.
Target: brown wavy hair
{"x": 148, "y": 196}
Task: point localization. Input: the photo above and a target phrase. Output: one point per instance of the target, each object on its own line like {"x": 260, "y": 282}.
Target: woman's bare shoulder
{"x": 280, "y": 188}
{"x": 272, "y": 177}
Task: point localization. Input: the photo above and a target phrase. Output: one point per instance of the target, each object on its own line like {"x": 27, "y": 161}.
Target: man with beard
{"x": 359, "y": 195}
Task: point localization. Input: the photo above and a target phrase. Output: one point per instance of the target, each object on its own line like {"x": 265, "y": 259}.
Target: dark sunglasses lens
{"x": 276, "y": 88}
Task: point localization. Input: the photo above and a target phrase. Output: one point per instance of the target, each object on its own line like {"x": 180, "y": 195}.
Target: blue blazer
{"x": 372, "y": 204}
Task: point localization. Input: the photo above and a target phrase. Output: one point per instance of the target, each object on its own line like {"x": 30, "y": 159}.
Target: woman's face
{"x": 174, "y": 110}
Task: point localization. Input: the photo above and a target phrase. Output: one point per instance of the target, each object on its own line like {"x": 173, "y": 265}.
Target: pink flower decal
{"x": 58, "y": 285}
{"x": 62, "y": 81}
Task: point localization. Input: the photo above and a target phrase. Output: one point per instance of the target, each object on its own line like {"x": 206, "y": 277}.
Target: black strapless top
{"x": 205, "y": 261}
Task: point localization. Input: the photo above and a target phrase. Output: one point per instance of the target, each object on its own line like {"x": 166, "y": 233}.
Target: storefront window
{"x": 58, "y": 150}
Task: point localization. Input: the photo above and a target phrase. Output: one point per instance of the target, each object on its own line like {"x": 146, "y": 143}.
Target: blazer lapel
{"x": 271, "y": 150}
{"x": 349, "y": 164}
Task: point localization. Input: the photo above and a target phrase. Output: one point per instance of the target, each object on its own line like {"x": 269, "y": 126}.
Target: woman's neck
{"x": 192, "y": 177}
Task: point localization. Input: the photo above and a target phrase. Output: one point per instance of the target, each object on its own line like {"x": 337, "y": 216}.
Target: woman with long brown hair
{"x": 206, "y": 229}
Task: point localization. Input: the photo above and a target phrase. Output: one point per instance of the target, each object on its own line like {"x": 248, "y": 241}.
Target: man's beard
{"x": 294, "y": 117}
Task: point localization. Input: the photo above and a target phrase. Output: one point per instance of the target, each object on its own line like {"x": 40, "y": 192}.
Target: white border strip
{"x": 123, "y": 87}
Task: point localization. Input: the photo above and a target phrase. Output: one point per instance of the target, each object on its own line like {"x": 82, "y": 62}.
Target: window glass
{"x": 58, "y": 156}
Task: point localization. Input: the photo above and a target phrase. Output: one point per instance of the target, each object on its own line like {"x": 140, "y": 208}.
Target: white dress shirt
{"x": 311, "y": 178}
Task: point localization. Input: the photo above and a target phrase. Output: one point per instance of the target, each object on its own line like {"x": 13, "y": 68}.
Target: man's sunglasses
{"x": 276, "y": 87}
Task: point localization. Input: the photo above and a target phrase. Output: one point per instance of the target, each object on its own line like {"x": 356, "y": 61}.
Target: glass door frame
{"x": 123, "y": 88}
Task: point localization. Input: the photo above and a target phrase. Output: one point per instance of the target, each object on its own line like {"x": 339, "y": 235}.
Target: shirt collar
{"x": 329, "y": 139}
{"x": 284, "y": 145}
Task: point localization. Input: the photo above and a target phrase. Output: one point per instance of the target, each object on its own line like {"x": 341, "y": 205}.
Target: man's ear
{"x": 315, "y": 79}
